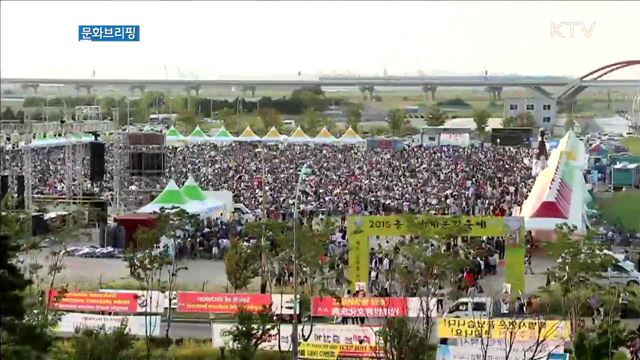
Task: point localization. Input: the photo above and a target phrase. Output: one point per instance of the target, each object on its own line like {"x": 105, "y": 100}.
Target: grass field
{"x": 623, "y": 208}
{"x": 514, "y": 269}
{"x": 633, "y": 144}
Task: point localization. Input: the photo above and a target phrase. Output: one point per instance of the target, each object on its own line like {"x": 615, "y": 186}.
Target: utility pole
{"x": 294, "y": 332}
{"x": 264, "y": 268}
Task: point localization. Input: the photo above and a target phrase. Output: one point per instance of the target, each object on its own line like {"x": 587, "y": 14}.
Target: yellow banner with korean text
{"x": 517, "y": 329}
{"x": 360, "y": 228}
{"x": 322, "y": 351}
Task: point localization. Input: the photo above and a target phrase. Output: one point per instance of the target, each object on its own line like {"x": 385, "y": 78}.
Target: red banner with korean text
{"x": 222, "y": 303}
{"x": 359, "y": 307}
{"x": 93, "y": 301}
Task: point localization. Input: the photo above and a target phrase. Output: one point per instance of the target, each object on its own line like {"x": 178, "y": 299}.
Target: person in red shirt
{"x": 469, "y": 278}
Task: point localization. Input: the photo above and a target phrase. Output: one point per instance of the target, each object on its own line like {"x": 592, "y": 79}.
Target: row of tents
{"x": 222, "y": 135}
{"x": 48, "y": 139}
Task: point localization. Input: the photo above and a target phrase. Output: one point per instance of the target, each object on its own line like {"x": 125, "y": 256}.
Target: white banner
{"x": 469, "y": 349}
{"x": 135, "y": 324}
{"x": 321, "y": 333}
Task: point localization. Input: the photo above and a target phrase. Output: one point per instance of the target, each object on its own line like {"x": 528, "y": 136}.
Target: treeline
{"x": 297, "y": 103}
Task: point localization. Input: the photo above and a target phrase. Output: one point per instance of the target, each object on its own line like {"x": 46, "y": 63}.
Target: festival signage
{"x": 518, "y": 329}
{"x": 359, "y": 307}
{"x": 333, "y": 351}
{"x": 221, "y": 303}
{"x": 93, "y": 301}
{"x": 318, "y": 333}
{"x": 448, "y": 352}
{"x": 69, "y": 322}
{"x": 360, "y": 228}
{"x": 152, "y": 301}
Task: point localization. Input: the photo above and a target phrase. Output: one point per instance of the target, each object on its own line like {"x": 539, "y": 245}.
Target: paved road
{"x": 614, "y": 124}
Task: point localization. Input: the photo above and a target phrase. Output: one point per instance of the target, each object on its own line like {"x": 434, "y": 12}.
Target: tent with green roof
{"x": 197, "y": 135}
{"x": 192, "y": 191}
{"x": 190, "y": 199}
{"x": 170, "y": 197}
{"x": 173, "y": 137}
{"x": 222, "y": 136}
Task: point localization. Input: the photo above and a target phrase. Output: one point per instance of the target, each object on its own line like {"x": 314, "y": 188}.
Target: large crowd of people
{"x": 476, "y": 180}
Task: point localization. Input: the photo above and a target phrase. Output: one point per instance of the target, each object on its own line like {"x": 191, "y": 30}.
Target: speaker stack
{"x": 96, "y": 173}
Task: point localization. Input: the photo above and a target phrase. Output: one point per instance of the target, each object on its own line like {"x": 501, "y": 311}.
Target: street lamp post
{"x": 128, "y": 117}
{"x": 263, "y": 212}
{"x": 294, "y": 332}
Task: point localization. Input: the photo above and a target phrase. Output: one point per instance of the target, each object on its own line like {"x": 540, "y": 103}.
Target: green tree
{"x": 354, "y": 116}
{"x": 601, "y": 343}
{"x": 311, "y": 121}
{"x": 8, "y": 114}
{"x": 481, "y": 118}
{"x": 145, "y": 264}
{"x": 240, "y": 264}
{"x": 251, "y": 331}
{"x": 188, "y": 121}
{"x": 523, "y": 119}
{"x": 12, "y": 284}
{"x": 396, "y": 121}
{"x": 579, "y": 270}
{"x": 270, "y": 118}
{"x": 400, "y": 340}
{"x": 97, "y": 344}
{"x": 107, "y": 104}
{"x": 436, "y": 117}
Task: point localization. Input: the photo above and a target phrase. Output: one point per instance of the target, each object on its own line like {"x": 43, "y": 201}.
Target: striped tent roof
{"x": 299, "y": 136}
{"x": 273, "y": 135}
{"x": 324, "y": 136}
{"x": 248, "y": 135}
{"x": 350, "y": 136}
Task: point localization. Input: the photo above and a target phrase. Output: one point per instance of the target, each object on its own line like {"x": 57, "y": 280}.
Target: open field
{"x": 622, "y": 208}
{"x": 633, "y": 144}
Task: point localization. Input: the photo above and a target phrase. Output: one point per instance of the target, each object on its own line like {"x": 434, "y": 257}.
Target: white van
{"x": 477, "y": 308}
{"x": 244, "y": 213}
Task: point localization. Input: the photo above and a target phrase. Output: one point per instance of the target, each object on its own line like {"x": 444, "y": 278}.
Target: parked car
{"x": 477, "y": 308}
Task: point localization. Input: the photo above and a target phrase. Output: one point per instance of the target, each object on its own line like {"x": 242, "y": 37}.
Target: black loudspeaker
{"x": 20, "y": 191}
{"x": 4, "y": 186}
{"x": 96, "y": 161}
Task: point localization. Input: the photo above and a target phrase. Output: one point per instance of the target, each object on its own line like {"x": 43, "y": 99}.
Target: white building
{"x": 544, "y": 110}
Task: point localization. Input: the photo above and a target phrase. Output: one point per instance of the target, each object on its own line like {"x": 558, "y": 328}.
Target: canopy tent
{"x": 192, "y": 191}
{"x": 248, "y": 135}
{"x": 173, "y": 198}
{"x": 598, "y": 149}
{"x": 324, "y": 137}
{"x": 350, "y": 137}
{"x": 197, "y": 135}
{"x": 173, "y": 136}
{"x": 273, "y": 136}
{"x": 199, "y": 201}
{"x": 222, "y": 136}
{"x": 298, "y": 136}
{"x": 559, "y": 194}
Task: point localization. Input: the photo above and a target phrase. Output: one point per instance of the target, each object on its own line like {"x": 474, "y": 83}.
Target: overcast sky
{"x": 263, "y": 39}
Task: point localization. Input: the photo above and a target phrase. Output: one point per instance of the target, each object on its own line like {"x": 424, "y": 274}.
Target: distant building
{"x": 544, "y": 110}
{"x": 442, "y": 135}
